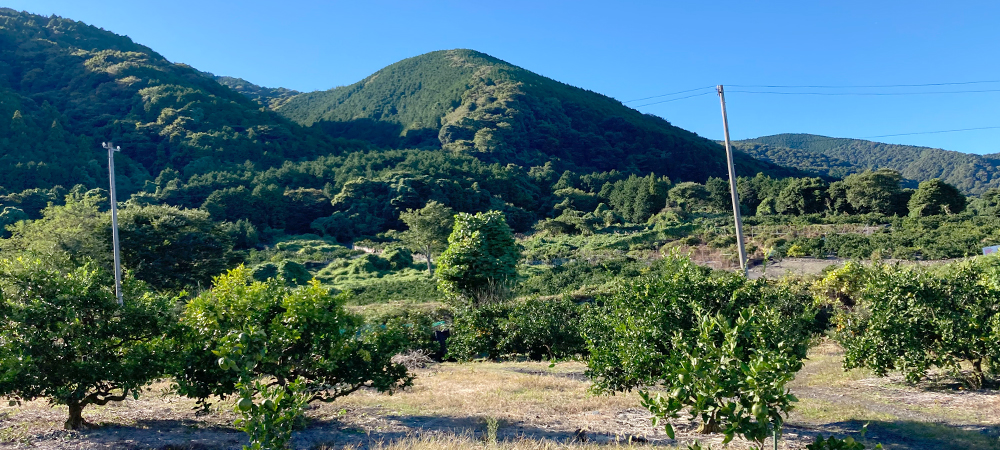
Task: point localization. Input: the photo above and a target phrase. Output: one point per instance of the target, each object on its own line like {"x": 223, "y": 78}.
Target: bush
{"x": 50, "y": 318}
{"x": 913, "y": 319}
{"x": 535, "y": 328}
{"x": 722, "y": 345}
{"x": 306, "y": 333}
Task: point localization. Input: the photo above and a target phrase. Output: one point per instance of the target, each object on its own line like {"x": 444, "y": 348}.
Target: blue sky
{"x": 623, "y": 49}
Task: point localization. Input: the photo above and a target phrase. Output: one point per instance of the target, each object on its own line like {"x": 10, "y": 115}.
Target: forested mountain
{"x": 471, "y": 103}
{"x": 837, "y": 157}
{"x": 269, "y": 97}
{"x": 66, "y": 86}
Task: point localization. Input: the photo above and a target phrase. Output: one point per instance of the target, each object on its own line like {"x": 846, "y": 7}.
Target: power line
{"x": 930, "y": 132}
{"x": 862, "y": 85}
{"x": 667, "y": 95}
{"x": 673, "y": 99}
{"x": 868, "y": 93}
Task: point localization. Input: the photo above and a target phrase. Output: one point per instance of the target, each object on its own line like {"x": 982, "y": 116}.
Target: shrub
{"x": 50, "y": 319}
{"x": 913, "y": 319}
{"x": 719, "y": 344}
{"x": 307, "y": 334}
{"x": 535, "y": 328}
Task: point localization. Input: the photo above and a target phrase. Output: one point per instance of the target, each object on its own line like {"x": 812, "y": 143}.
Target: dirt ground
{"x": 528, "y": 406}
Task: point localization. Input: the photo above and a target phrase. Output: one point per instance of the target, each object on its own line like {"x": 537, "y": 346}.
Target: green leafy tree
{"x": 802, "y": 196}
{"x": 912, "y": 319}
{"x": 429, "y": 229}
{"x": 934, "y": 197}
{"x": 172, "y": 248}
{"x": 719, "y": 344}
{"x": 306, "y": 333}
{"x": 66, "y": 339}
{"x": 481, "y": 258}
{"x": 688, "y": 195}
{"x": 873, "y": 191}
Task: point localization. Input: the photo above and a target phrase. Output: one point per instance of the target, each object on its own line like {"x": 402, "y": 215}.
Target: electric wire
{"x": 673, "y": 99}
{"x": 957, "y": 83}
{"x": 667, "y": 95}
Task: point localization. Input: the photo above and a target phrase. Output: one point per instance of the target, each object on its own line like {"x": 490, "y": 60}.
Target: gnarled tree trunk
{"x": 75, "y": 420}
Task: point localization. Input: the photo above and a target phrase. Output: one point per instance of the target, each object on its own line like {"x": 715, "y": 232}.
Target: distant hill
{"x": 66, "y": 86}
{"x": 837, "y": 157}
{"x": 473, "y": 103}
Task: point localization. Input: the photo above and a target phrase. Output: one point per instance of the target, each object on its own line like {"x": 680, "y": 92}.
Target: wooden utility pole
{"x": 732, "y": 185}
{"x": 114, "y": 220}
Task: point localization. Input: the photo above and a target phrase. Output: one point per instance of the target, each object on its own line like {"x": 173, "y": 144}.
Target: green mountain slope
{"x": 269, "y": 97}
{"x": 971, "y": 173}
{"x": 472, "y": 103}
{"x": 66, "y": 86}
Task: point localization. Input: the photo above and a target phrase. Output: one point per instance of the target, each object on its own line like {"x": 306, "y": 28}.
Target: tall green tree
{"x": 66, "y": 339}
{"x": 802, "y": 196}
{"x": 429, "y": 229}
{"x": 874, "y": 191}
{"x": 934, "y": 197}
{"x": 480, "y": 260}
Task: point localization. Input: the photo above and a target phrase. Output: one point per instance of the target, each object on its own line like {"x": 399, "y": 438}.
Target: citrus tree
{"x": 302, "y": 341}
{"x": 720, "y": 346}
{"x": 66, "y": 339}
{"x": 913, "y": 319}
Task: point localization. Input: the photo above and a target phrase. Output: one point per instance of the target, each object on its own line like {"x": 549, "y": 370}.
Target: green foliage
{"x": 481, "y": 258}
{"x": 935, "y": 197}
{"x": 171, "y": 248}
{"x": 825, "y": 156}
{"x": 267, "y": 412}
{"x": 50, "y": 319}
{"x": 429, "y": 228}
{"x": 731, "y": 375}
{"x": 721, "y": 345}
{"x": 874, "y": 192}
{"x": 802, "y": 196}
{"x": 471, "y": 103}
{"x": 912, "y": 319}
{"x": 534, "y": 328}
{"x": 306, "y": 333}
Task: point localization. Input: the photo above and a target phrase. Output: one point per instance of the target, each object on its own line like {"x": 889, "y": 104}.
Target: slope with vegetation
{"x": 472, "y": 103}
{"x": 66, "y": 86}
{"x": 837, "y": 157}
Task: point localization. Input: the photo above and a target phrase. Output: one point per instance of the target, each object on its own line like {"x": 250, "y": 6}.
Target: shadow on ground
{"x": 914, "y": 435}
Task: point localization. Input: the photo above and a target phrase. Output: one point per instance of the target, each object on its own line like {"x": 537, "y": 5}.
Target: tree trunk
{"x": 430, "y": 268}
{"x": 75, "y": 421}
{"x": 977, "y": 367}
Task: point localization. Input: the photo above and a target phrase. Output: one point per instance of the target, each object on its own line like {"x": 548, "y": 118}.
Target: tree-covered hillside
{"x": 973, "y": 174}
{"x": 472, "y": 103}
{"x": 269, "y": 97}
{"x": 66, "y": 86}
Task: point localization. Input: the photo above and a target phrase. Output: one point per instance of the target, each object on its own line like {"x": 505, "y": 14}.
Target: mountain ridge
{"x": 838, "y": 157}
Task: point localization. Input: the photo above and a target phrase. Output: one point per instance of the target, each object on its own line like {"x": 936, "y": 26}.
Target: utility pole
{"x": 114, "y": 219}
{"x": 732, "y": 185}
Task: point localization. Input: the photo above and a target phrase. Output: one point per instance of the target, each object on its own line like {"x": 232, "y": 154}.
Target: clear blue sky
{"x": 626, "y": 50}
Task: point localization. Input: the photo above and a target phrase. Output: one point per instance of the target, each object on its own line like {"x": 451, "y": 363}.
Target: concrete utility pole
{"x": 114, "y": 219}
{"x": 732, "y": 185}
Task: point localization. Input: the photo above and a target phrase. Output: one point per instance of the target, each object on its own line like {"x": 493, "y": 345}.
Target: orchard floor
{"x": 531, "y": 406}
